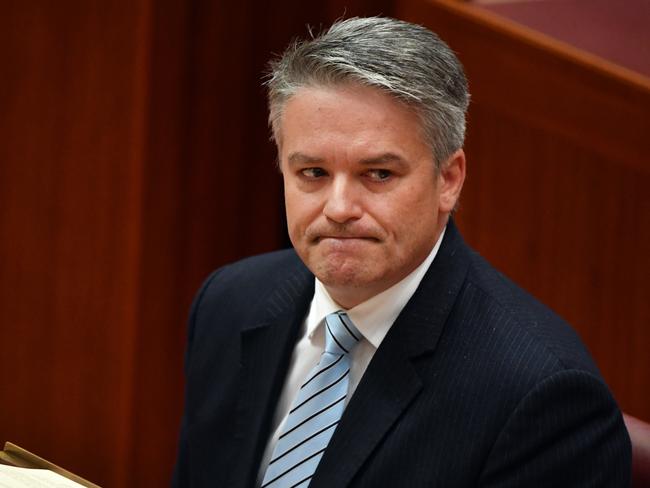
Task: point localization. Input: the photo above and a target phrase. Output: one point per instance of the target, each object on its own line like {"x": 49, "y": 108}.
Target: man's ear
{"x": 451, "y": 179}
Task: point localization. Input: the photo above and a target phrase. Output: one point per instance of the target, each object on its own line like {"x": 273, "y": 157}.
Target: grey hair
{"x": 406, "y": 60}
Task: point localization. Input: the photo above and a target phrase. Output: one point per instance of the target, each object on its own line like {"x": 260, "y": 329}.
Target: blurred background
{"x": 135, "y": 158}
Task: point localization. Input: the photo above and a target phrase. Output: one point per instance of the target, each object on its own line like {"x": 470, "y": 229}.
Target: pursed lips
{"x": 345, "y": 238}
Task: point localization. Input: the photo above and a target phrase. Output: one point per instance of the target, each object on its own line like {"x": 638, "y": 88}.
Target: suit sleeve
{"x": 567, "y": 431}
{"x": 181, "y": 475}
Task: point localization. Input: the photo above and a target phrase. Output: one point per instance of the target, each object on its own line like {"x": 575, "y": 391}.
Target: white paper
{"x": 13, "y": 477}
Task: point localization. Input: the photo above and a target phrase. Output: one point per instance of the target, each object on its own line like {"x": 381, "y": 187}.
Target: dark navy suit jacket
{"x": 476, "y": 384}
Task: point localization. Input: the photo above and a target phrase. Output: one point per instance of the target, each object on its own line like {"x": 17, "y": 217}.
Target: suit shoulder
{"x": 245, "y": 288}
{"x": 254, "y": 274}
{"x": 526, "y": 318}
{"x": 511, "y": 346}
{"x": 261, "y": 263}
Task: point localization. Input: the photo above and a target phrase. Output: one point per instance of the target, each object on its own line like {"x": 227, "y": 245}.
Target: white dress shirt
{"x": 373, "y": 318}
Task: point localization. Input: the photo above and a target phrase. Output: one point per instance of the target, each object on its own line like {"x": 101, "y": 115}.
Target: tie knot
{"x": 341, "y": 335}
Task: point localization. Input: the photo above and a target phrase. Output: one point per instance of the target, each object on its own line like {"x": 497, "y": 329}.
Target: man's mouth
{"x": 343, "y": 239}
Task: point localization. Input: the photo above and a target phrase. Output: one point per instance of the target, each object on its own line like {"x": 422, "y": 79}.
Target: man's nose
{"x": 342, "y": 202}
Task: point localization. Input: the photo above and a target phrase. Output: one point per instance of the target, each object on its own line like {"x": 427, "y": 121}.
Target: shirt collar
{"x": 375, "y": 316}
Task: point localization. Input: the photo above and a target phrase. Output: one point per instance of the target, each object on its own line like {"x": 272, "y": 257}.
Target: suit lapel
{"x": 391, "y": 381}
{"x": 266, "y": 348}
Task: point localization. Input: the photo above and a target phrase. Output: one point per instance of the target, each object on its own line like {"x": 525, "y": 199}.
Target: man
{"x": 381, "y": 350}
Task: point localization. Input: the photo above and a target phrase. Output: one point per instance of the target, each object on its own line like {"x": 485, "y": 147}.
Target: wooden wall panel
{"x": 70, "y": 171}
{"x": 556, "y": 195}
{"x": 600, "y": 27}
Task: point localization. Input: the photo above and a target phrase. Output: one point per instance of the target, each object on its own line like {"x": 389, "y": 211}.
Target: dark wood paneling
{"x": 70, "y": 173}
{"x": 556, "y": 194}
{"x": 614, "y": 31}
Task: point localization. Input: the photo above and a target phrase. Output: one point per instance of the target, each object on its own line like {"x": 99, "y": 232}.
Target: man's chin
{"x": 348, "y": 267}
{"x": 343, "y": 273}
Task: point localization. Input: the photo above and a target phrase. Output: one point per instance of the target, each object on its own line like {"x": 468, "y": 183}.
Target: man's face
{"x": 364, "y": 203}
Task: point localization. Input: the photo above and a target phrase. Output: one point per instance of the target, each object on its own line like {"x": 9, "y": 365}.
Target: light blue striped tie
{"x": 316, "y": 411}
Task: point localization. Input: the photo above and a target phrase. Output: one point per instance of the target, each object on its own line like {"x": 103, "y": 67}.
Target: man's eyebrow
{"x": 299, "y": 158}
{"x": 383, "y": 159}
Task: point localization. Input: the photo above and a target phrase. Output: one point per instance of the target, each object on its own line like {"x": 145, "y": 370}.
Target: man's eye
{"x": 313, "y": 172}
{"x": 379, "y": 174}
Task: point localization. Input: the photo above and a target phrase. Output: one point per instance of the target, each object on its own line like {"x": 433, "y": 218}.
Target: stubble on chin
{"x": 341, "y": 271}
